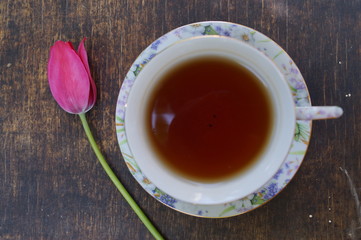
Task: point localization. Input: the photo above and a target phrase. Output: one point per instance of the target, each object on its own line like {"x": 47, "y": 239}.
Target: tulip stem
{"x": 116, "y": 182}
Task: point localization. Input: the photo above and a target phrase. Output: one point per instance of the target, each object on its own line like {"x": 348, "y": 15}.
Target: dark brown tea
{"x": 209, "y": 119}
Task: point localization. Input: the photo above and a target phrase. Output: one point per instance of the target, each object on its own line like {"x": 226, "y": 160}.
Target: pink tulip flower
{"x": 74, "y": 90}
{"x": 69, "y": 77}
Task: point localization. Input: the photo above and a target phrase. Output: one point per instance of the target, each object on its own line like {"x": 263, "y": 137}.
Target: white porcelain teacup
{"x": 285, "y": 115}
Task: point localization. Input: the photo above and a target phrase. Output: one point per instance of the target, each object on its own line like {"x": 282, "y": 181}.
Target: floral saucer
{"x": 301, "y": 136}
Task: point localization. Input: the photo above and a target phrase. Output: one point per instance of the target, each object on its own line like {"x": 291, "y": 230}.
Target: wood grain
{"x": 51, "y": 185}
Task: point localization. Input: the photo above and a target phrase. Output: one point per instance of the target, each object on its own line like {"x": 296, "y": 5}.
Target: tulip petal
{"x": 70, "y": 45}
{"x": 84, "y": 57}
{"x": 68, "y": 78}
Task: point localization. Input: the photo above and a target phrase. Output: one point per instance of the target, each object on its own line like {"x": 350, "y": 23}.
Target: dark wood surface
{"x": 51, "y": 184}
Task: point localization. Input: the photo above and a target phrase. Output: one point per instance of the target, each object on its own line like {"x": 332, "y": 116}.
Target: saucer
{"x": 300, "y": 96}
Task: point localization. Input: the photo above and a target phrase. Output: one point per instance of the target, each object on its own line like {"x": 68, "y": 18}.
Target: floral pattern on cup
{"x": 301, "y": 99}
{"x": 313, "y": 113}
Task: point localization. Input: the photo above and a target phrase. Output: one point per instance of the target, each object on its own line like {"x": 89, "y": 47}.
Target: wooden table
{"x": 51, "y": 184}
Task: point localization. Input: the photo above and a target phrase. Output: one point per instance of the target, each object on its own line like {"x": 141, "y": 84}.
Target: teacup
{"x": 269, "y": 157}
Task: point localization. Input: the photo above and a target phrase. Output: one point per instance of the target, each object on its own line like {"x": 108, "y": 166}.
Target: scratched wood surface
{"x": 51, "y": 185}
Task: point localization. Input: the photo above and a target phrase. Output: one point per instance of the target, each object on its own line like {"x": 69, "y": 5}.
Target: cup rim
{"x": 203, "y": 190}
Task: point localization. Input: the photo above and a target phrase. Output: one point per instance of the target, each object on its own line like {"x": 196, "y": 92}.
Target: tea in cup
{"x": 211, "y": 119}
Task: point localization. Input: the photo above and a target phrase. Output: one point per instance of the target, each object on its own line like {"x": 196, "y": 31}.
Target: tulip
{"x": 69, "y": 77}
{"x": 74, "y": 90}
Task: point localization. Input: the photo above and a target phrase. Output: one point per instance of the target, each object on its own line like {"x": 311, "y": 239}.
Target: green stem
{"x": 116, "y": 182}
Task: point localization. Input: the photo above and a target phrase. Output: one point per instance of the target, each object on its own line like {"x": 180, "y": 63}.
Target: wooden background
{"x": 51, "y": 184}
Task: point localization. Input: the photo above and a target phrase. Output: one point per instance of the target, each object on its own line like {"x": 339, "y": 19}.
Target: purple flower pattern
{"x": 272, "y": 190}
{"x": 166, "y": 199}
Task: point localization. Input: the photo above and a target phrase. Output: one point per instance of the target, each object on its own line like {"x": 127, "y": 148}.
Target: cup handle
{"x": 318, "y": 112}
